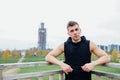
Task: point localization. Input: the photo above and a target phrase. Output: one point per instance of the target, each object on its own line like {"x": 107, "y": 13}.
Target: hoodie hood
{"x": 83, "y": 38}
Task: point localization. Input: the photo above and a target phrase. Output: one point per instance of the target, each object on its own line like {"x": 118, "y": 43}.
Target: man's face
{"x": 74, "y": 32}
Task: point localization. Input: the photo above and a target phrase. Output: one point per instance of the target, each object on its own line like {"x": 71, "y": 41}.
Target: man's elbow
{"x": 107, "y": 58}
{"x": 47, "y": 58}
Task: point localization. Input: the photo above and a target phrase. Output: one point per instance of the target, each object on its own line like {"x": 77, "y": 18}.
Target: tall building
{"x": 42, "y": 37}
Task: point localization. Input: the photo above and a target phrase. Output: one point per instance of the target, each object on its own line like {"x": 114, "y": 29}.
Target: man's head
{"x": 74, "y": 30}
{"x": 71, "y": 23}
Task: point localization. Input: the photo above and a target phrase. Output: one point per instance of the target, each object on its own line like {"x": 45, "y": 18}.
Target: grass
{"x": 107, "y": 69}
{"x": 10, "y": 60}
{"x": 39, "y": 68}
{"x": 33, "y": 58}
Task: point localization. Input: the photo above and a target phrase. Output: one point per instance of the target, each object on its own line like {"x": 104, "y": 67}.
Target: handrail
{"x": 43, "y": 63}
{"x": 24, "y": 64}
{"x": 107, "y": 74}
{"x": 32, "y": 74}
{"x": 113, "y": 65}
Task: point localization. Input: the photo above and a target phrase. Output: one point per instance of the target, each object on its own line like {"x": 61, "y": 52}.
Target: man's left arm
{"x": 103, "y": 58}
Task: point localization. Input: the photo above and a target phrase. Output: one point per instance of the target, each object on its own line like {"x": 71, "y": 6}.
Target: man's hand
{"x": 66, "y": 68}
{"x": 87, "y": 67}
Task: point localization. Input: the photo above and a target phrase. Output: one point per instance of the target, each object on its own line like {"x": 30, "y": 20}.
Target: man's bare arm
{"x": 51, "y": 57}
{"x": 102, "y": 58}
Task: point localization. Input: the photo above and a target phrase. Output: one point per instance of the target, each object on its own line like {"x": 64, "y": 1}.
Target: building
{"x": 110, "y": 47}
{"x": 103, "y": 47}
{"x": 113, "y": 46}
{"x": 42, "y": 37}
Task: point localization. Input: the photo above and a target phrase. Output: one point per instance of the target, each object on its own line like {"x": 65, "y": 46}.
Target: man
{"x": 77, "y": 51}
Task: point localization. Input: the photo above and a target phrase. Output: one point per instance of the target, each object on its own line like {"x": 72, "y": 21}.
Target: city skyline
{"x": 20, "y": 20}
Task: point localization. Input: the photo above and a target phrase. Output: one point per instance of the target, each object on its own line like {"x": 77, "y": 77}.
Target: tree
{"x": 38, "y": 52}
{"x": 115, "y": 55}
{"x": 6, "y": 55}
{"x": 16, "y": 53}
{"x": 27, "y": 53}
{"x": 45, "y": 52}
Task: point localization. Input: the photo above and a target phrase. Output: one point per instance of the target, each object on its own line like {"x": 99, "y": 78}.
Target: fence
{"x": 50, "y": 73}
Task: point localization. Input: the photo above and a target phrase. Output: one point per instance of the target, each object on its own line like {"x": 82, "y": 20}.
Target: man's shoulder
{"x": 61, "y": 47}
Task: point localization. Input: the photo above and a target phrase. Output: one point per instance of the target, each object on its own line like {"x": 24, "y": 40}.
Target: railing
{"x": 50, "y": 73}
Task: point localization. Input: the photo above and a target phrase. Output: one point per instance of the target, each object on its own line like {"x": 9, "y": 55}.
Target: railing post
{"x": 51, "y": 77}
{"x": 110, "y": 78}
{"x": 40, "y": 78}
{"x": 1, "y": 76}
{"x": 1, "y": 72}
{"x": 61, "y": 76}
{"x": 98, "y": 77}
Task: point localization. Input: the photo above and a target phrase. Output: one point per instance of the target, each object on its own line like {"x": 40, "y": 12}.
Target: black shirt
{"x": 76, "y": 55}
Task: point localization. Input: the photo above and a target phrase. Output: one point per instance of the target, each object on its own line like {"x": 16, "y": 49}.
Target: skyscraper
{"x": 42, "y": 37}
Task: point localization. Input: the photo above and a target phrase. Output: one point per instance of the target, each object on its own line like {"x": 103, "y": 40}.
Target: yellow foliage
{"x": 115, "y": 55}
{"x": 6, "y": 55}
{"x": 38, "y": 52}
{"x": 45, "y": 52}
{"x": 27, "y": 53}
{"x": 16, "y": 53}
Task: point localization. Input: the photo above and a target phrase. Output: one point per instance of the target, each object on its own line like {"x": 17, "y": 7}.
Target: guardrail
{"x": 50, "y": 73}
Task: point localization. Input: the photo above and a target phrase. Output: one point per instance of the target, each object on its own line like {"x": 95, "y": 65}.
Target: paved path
{"x": 15, "y": 70}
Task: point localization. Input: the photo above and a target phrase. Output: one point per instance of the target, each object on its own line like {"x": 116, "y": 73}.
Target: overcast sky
{"x": 20, "y": 20}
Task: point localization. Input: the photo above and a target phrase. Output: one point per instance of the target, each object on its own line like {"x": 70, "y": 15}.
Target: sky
{"x": 20, "y": 20}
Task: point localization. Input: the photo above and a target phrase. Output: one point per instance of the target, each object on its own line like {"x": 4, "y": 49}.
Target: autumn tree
{"x": 16, "y": 53}
{"x": 114, "y": 55}
{"x": 27, "y": 53}
{"x": 45, "y": 52}
{"x": 38, "y": 52}
{"x": 6, "y": 55}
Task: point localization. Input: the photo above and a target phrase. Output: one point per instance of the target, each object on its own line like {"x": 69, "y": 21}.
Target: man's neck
{"x": 76, "y": 41}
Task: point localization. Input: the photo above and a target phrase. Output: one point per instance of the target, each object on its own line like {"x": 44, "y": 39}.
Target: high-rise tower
{"x": 42, "y": 37}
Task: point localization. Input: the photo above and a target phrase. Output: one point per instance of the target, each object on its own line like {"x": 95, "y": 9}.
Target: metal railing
{"x": 50, "y": 73}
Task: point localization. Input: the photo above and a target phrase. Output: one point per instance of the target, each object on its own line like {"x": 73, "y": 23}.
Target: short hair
{"x": 72, "y": 23}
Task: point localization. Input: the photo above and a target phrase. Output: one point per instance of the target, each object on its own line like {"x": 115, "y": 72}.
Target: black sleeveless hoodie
{"x": 76, "y": 55}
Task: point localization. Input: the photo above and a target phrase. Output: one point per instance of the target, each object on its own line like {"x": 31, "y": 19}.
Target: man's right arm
{"x": 51, "y": 57}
